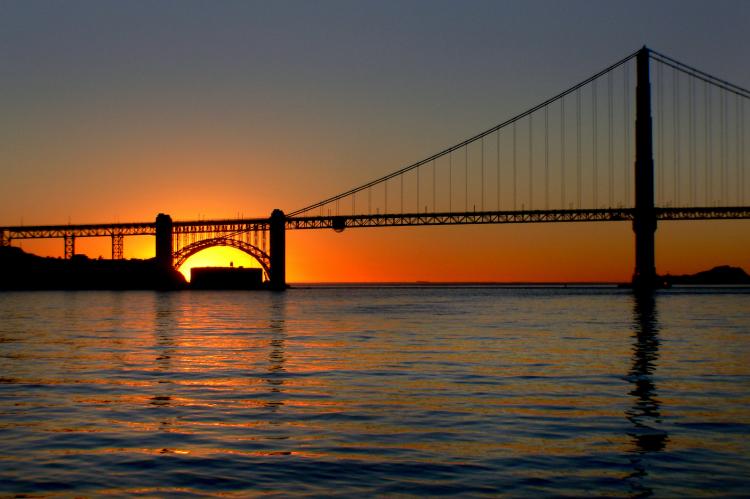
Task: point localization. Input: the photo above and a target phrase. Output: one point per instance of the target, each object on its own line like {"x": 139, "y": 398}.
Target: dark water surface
{"x": 375, "y": 391}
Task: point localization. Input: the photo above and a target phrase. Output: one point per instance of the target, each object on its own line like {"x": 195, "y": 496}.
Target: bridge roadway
{"x": 505, "y": 217}
{"x": 339, "y": 222}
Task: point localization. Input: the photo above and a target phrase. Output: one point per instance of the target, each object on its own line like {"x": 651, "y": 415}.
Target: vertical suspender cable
{"x": 450, "y": 181}
{"x": 594, "y": 139}
{"x": 676, "y": 136}
{"x": 691, "y": 139}
{"x": 725, "y": 147}
{"x": 610, "y": 149}
{"x": 515, "y": 170}
{"x": 497, "y": 137}
{"x": 708, "y": 138}
{"x": 434, "y": 181}
{"x": 546, "y": 157}
{"x": 418, "y": 208}
{"x": 722, "y": 150}
{"x": 481, "y": 204}
{"x": 626, "y": 128}
{"x": 741, "y": 153}
{"x": 578, "y": 147}
{"x": 722, "y": 132}
{"x": 738, "y": 178}
{"x": 562, "y": 153}
{"x": 660, "y": 129}
{"x": 466, "y": 177}
{"x": 531, "y": 163}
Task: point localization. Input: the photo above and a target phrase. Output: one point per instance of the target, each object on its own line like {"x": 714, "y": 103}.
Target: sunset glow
{"x": 218, "y": 257}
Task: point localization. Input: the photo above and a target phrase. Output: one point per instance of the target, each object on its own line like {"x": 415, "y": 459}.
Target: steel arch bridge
{"x": 262, "y": 257}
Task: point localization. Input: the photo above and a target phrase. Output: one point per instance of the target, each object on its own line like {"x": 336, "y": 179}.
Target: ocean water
{"x": 371, "y": 391}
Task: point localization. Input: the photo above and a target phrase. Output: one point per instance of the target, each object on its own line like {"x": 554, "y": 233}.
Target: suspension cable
{"x": 697, "y": 73}
{"x": 469, "y": 140}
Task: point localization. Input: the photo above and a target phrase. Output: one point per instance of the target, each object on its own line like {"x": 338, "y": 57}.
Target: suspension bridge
{"x": 646, "y": 139}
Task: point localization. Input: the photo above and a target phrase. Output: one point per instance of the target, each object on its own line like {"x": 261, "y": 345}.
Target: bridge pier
{"x": 644, "y": 220}
{"x": 164, "y": 242}
{"x": 277, "y": 235}
{"x": 70, "y": 246}
{"x": 117, "y": 247}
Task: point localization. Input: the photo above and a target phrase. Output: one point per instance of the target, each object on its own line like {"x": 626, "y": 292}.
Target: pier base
{"x": 278, "y": 250}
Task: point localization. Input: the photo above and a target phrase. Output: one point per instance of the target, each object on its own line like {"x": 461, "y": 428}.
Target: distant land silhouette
{"x": 723, "y": 274}
{"x": 20, "y": 271}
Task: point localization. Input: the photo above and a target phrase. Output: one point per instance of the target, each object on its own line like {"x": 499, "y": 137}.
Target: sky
{"x": 117, "y": 111}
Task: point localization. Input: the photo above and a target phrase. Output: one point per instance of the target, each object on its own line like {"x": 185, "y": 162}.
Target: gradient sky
{"x": 116, "y": 111}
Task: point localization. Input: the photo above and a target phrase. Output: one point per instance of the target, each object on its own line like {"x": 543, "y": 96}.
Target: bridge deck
{"x": 505, "y": 217}
{"x": 377, "y": 220}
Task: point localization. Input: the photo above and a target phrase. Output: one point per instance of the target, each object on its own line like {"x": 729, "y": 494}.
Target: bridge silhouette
{"x": 567, "y": 159}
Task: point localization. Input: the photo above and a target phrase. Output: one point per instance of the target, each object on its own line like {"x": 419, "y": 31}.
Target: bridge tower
{"x": 277, "y": 234}
{"x": 644, "y": 220}
{"x": 164, "y": 241}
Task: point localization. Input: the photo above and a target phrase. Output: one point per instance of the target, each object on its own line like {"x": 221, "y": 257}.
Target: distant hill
{"x": 723, "y": 274}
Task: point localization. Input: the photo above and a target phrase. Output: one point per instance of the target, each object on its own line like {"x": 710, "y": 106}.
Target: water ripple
{"x": 398, "y": 391}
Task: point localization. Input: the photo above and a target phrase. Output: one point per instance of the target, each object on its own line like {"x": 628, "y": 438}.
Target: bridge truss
{"x": 340, "y": 223}
{"x": 248, "y": 235}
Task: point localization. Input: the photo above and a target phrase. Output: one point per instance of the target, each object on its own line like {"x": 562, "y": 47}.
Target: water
{"x": 375, "y": 391}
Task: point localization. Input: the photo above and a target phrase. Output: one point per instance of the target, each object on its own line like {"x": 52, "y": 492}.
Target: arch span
{"x": 181, "y": 255}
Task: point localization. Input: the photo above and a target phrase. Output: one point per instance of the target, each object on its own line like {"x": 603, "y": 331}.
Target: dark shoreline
{"x": 24, "y": 271}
